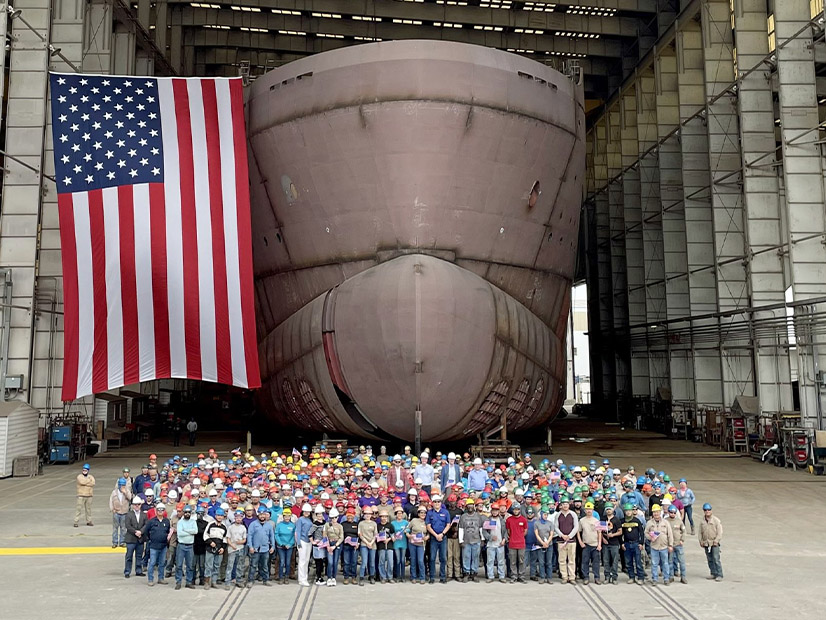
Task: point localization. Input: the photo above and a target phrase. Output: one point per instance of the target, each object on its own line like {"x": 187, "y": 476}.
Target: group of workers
{"x": 369, "y": 518}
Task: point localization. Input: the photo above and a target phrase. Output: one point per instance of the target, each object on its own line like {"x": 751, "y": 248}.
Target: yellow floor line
{"x": 58, "y": 550}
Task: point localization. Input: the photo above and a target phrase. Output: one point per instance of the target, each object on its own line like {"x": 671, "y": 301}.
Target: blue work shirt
{"x": 302, "y": 530}
{"x": 438, "y": 519}
{"x": 260, "y": 536}
{"x": 187, "y": 529}
{"x": 633, "y": 497}
{"x": 477, "y": 479}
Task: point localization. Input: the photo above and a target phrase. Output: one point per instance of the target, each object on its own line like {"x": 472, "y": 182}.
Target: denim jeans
{"x": 677, "y": 560}
{"x": 633, "y": 561}
{"x": 171, "y": 554}
{"x": 284, "y": 556}
{"x": 440, "y": 547}
{"x": 590, "y": 561}
{"x": 399, "y": 555}
{"x": 185, "y": 554}
{"x": 713, "y": 559}
{"x": 136, "y": 550}
{"x": 260, "y": 564}
{"x": 496, "y": 562}
{"x": 350, "y": 555}
{"x": 237, "y": 566}
{"x": 610, "y": 560}
{"x": 417, "y": 562}
{"x": 368, "y": 561}
{"x": 332, "y": 562}
{"x": 386, "y": 564}
{"x": 118, "y": 528}
{"x": 659, "y": 558}
{"x": 532, "y": 561}
{"x": 213, "y": 565}
{"x": 470, "y": 558}
{"x": 157, "y": 557}
{"x": 689, "y": 514}
{"x": 544, "y": 562}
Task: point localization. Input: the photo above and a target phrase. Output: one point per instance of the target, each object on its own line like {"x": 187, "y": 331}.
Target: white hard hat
{"x": 424, "y": 455}
{"x": 437, "y": 498}
{"x": 256, "y": 493}
{"x": 195, "y": 491}
{"x": 333, "y": 513}
{"x": 306, "y": 508}
{"x": 173, "y": 494}
{"x": 224, "y": 506}
{"x": 451, "y": 455}
{"x": 418, "y": 481}
{"x": 325, "y": 495}
{"x": 299, "y": 494}
{"x": 400, "y": 483}
{"x": 236, "y": 485}
{"x": 397, "y": 457}
{"x": 559, "y": 462}
{"x": 319, "y": 509}
{"x": 519, "y": 492}
{"x": 160, "y": 506}
{"x": 525, "y": 476}
{"x": 213, "y": 492}
{"x": 196, "y": 481}
{"x": 616, "y": 472}
{"x": 477, "y": 461}
{"x": 149, "y": 492}
{"x": 137, "y": 500}
{"x": 374, "y": 485}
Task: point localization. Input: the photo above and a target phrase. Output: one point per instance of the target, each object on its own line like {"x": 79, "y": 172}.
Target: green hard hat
{"x": 628, "y": 507}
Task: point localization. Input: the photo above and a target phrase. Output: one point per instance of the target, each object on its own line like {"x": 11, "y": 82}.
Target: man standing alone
{"x": 711, "y": 535}
{"x": 119, "y": 506}
{"x": 192, "y": 427}
{"x": 85, "y": 490}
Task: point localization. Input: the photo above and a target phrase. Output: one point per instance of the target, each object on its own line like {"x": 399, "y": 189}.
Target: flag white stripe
{"x": 236, "y": 324}
{"x": 114, "y": 307}
{"x": 85, "y": 319}
{"x": 143, "y": 277}
{"x": 203, "y": 227}
{"x": 174, "y": 240}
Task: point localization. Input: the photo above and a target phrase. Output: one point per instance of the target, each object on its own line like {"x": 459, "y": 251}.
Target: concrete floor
{"x": 773, "y": 554}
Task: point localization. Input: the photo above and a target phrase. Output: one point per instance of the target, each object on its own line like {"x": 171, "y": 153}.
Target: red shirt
{"x": 516, "y": 526}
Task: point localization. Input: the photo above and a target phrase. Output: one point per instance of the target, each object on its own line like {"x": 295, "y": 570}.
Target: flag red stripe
{"x": 244, "y": 234}
{"x": 223, "y": 346}
{"x": 128, "y": 285}
{"x": 157, "y": 217}
{"x": 192, "y": 315}
{"x": 100, "y": 360}
{"x": 68, "y": 248}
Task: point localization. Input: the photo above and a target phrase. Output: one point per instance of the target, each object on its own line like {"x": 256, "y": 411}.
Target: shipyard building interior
{"x": 700, "y": 245}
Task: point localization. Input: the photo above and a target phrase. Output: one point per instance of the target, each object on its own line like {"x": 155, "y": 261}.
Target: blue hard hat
{"x": 683, "y": 480}
{"x": 200, "y": 508}
{"x": 262, "y": 509}
{"x": 176, "y": 458}
{"x": 661, "y": 474}
{"x": 322, "y": 447}
{"x": 592, "y": 462}
{"x": 606, "y": 462}
{"x": 121, "y": 482}
{"x": 86, "y": 466}
{"x": 303, "y": 447}
{"x": 219, "y": 512}
{"x": 527, "y": 454}
{"x": 672, "y": 508}
{"x": 706, "y": 506}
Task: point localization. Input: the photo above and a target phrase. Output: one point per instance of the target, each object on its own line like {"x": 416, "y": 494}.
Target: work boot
{"x": 718, "y": 579}
{"x": 683, "y": 579}
{"x": 502, "y": 580}
{"x": 190, "y": 586}
{"x": 238, "y": 584}
{"x": 371, "y": 581}
{"x": 692, "y": 530}
{"x": 162, "y": 582}
{"x": 464, "y": 579}
{"x": 178, "y": 586}
{"x": 207, "y": 583}
{"x": 630, "y": 580}
{"x": 585, "y": 582}
{"x": 597, "y": 582}
{"x": 489, "y": 581}
{"x": 361, "y": 581}
{"x": 473, "y": 577}
{"x": 226, "y": 585}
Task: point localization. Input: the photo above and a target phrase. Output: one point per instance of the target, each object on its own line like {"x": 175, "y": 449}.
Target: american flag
{"x": 153, "y": 200}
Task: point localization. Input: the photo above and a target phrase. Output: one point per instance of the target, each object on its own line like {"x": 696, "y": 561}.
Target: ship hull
{"x": 415, "y": 208}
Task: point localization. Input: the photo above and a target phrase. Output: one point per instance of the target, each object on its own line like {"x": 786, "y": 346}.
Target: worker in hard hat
{"x": 470, "y": 539}
{"x": 589, "y": 539}
{"x": 85, "y": 485}
{"x": 658, "y": 532}
{"x": 710, "y": 537}
{"x": 677, "y": 555}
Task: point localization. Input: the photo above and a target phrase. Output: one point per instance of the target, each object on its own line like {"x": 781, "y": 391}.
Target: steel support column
{"x": 763, "y": 226}
{"x": 651, "y": 213}
{"x": 803, "y": 181}
{"x": 699, "y": 227}
{"x": 673, "y": 219}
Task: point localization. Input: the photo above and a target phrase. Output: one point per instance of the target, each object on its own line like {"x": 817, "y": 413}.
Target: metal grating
{"x": 312, "y": 406}
{"x": 517, "y": 404}
{"x": 296, "y": 410}
{"x": 533, "y": 405}
{"x": 488, "y": 413}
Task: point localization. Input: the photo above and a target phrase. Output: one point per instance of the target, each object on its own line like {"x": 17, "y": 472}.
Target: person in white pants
{"x": 302, "y": 538}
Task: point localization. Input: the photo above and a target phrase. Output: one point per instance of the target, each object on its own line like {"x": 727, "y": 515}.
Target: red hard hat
{"x": 328, "y": 503}
{"x": 452, "y": 498}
